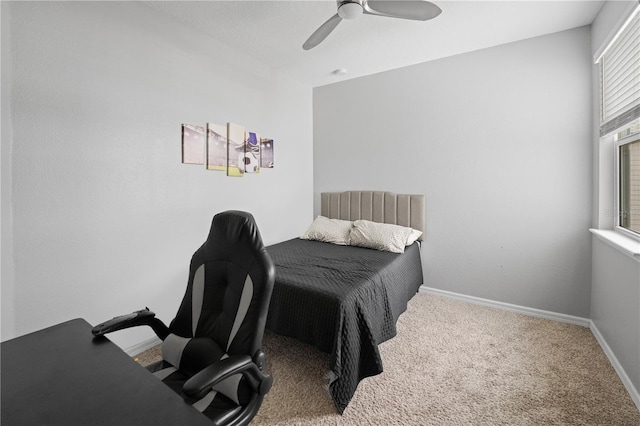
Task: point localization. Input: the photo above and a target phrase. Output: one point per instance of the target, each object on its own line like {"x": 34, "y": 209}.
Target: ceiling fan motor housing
{"x": 350, "y": 9}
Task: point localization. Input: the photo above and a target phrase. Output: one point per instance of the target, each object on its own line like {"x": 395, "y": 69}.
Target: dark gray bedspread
{"x": 343, "y": 300}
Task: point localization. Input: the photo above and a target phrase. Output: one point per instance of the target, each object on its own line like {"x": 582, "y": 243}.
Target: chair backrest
{"x": 230, "y": 283}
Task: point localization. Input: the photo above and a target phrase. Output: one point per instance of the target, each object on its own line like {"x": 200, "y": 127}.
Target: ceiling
{"x": 272, "y": 32}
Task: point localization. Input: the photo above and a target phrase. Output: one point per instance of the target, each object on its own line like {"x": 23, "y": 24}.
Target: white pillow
{"x": 413, "y": 237}
{"x": 333, "y": 231}
{"x": 379, "y": 236}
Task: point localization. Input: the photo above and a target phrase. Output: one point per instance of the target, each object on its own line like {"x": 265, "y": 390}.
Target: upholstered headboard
{"x": 376, "y": 206}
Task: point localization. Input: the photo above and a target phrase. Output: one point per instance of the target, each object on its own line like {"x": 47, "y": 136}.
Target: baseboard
{"x": 626, "y": 381}
{"x": 554, "y": 316}
{"x": 142, "y": 346}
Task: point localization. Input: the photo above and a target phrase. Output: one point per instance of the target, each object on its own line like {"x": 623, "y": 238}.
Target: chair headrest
{"x": 234, "y": 235}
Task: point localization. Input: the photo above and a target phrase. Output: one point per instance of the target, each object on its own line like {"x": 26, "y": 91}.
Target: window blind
{"x": 620, "y": 78}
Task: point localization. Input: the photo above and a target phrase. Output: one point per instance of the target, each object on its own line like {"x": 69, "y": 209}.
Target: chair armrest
{"x": 203, "y": 381}
{"x": 134, "y": 319}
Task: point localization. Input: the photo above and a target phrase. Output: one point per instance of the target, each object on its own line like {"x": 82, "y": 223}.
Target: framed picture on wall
{"x": 235, "y": 150}
{"x": 192, "y": 144}
{"x": 216, "y": 147}
{"x": 266, "y": 153}
{"x": 251, "y": 159}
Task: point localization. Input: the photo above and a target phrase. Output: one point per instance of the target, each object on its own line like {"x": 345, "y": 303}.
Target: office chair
{"x": 212, "y": 349}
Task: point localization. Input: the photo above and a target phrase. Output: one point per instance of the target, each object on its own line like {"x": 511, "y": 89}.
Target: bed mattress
{"x": 345, "y": 301}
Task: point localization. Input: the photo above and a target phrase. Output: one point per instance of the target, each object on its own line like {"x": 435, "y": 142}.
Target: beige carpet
{"x": 455, "y": 363}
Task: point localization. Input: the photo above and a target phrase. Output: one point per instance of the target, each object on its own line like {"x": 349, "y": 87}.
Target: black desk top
{"x": 63, "y": 376}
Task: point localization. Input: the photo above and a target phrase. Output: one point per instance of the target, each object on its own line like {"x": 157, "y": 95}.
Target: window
{"x": 627, "y": 194}
{"x": 620, "y": 113}
{"x": 620, "y": 77}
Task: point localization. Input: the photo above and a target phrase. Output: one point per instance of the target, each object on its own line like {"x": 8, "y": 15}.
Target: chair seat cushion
{"x": 183, "y": 358}
{"x": 214, "y": 405}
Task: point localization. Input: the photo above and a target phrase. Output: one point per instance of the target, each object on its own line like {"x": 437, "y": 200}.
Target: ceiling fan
{"x": 417, "y": 10}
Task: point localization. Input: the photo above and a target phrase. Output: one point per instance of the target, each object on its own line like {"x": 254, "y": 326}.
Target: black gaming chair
{"x": 212, "y": 349}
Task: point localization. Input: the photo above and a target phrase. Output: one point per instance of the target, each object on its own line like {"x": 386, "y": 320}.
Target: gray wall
{"x": 615, "y": 300}
{"x": 499, "y": 142}
{"x": 99, "y": 217}
{"x": 615, "y": 306}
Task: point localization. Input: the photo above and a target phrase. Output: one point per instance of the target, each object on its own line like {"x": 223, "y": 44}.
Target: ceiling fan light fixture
{"x": 417, "y": 10}
{"x": 350, "y": 10}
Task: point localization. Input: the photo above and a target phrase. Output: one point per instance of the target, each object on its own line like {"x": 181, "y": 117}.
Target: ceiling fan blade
{"x": 418, "y": 10}
{"x": 322, "y": 32}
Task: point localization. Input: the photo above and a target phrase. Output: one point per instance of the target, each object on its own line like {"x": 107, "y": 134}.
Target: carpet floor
{"x": 455, "y": 363}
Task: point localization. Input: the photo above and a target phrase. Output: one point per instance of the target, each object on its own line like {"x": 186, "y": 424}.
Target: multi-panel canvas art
{"x": 266, "y": 153}
{"x": 235, "y": 144}
{"x": 216, "y": 147}
{"x": 229, "y": 148}
{"x": 192, "y": 144}
{"x": 251, "y": 159}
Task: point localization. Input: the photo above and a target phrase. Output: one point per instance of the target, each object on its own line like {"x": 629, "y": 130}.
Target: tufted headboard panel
{"x": 376, "y": 206}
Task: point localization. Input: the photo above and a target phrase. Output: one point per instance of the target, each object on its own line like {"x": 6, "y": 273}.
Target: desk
{"x": 63, "y": 376}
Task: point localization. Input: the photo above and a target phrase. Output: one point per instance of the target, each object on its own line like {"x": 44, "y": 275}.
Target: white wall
{"x": 105, "y": 217}
{"x": 615, "y": 300}
{"x": 6, "y": 228}
{"x": 499, "y": 142}
{"x": 615, "y": 307}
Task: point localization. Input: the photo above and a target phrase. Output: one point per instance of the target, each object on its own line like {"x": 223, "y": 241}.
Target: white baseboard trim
{"x": 633, "y": 392}
{"x": 142, "y": 346}
{"x": 554, "y": 316}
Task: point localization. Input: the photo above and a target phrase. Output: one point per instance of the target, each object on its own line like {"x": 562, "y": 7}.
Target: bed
{"x": 346, "y": 300}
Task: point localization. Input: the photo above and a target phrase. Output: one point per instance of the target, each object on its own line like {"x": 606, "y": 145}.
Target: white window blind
{"x": 620, "y": 76}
